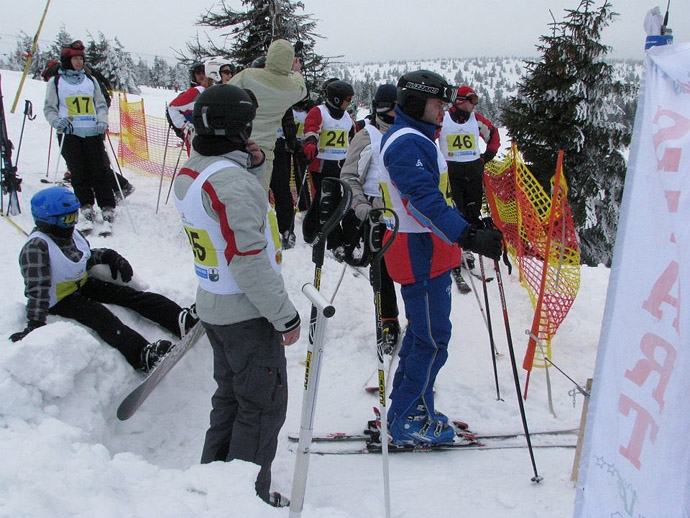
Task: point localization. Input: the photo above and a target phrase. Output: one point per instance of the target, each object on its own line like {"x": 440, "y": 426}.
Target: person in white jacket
{"x": 241, "y": 298}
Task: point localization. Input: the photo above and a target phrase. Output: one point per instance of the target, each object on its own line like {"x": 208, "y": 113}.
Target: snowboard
{"x": 136, "y": 398}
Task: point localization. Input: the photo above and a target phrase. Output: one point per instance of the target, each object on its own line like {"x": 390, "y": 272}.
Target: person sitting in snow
{"x": 55, "y": 263}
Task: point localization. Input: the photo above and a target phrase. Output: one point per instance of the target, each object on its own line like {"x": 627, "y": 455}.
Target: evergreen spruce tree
{"x": 251, "y": 31}
{"x": 571, "y": 101}
{"x": 115, "y": 64}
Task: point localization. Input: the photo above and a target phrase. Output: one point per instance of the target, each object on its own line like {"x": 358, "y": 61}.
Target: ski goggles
{"x": 471, "y": 98}
{"x": 225, "y": 71}
{"x": 67, "y": 220}
{"x": 446, "y": 93}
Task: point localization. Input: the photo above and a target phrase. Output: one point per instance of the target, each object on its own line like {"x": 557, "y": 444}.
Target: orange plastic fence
{"x": 147, "y": 145}
{"x": 541, "y": 238}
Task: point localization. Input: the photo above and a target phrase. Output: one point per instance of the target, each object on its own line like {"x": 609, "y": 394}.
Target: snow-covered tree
{"x": 249, "y": 33}
{"x": 570, "y": 100}
{"x": 114, "y": 63}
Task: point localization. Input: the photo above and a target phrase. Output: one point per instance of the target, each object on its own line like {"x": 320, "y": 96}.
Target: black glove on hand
{"x": 118, "y": 264}
{"x": 33, "y": 324}
{"x": 484, "y": 241}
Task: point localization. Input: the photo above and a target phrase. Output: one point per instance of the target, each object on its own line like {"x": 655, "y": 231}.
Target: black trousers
{"x": 467, "y": 185}
{"x": 85, "y": 160}
{"x": 389, "y": 299}
{"x": 250, "y": 403}
{"x": 328, "y": 169}
{"x": 86, "y": 307}
{"x": 280, "y": 185}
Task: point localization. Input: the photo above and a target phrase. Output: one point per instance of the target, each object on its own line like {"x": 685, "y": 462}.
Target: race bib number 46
{"x": 461, "y": 142}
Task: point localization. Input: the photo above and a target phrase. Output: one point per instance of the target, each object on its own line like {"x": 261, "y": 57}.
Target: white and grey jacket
{"x": 234, "y": 196}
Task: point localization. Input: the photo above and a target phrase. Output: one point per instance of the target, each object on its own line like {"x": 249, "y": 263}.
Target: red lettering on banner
{"x": 643, "y": 423}
{"x": 671, "y": 160}
{"x": 672, "y": 200}
{"x": 681, "y": 126}
{"x": 661, "y": 293}
{"x": 650, "y": 344}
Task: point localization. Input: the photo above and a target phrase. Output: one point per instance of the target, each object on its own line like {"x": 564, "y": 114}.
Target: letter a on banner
{"x": 636, "y": 455}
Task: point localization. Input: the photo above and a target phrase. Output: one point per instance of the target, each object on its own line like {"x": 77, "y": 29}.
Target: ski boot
{"x": 153, "y": 353}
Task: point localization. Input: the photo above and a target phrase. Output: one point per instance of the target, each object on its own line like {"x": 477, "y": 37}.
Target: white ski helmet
{"x": 212, "y": 67}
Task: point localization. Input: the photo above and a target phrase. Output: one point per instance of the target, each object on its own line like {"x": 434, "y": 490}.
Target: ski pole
{"x": 50, "y": 147}
{"x": 324, "y": 310}
{"x": 125, "y": 203}
{"x": 28, "y": 113}
{"x": 376, "y": 233}
{"x": 494, "y": 351}
{"x": 513, "y": 364}
{"x": 334, "y": 202}
{"x": 177, "y": 163}
{"x": 165, "y": 156}
{"x": 303, "y": 186}
{"x": 61, "y": 138}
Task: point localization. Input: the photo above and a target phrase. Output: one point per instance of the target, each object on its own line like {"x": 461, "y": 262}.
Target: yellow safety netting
{"x": 143, "y": 138}
{"x": 541, "y": 238}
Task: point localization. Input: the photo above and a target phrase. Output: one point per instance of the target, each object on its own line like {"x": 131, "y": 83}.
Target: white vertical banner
{"x": 636, "y": 456}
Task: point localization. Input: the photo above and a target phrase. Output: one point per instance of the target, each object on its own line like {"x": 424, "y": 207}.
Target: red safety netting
{"x": 541, "y": 238}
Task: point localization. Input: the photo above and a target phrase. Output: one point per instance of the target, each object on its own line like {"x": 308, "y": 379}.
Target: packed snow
{"x": 65, "y": 453}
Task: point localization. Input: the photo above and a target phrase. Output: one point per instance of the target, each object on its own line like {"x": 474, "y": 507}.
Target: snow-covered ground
{"x": 64, "y": 453}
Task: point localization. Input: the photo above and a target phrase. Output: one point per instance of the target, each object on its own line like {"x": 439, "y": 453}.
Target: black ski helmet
{"x": 225, "y": 110}
{"x": 385, "y": 98}
{"x": 196, "y": 68}
{"x": 259, "y": 62}
{"x": 337, "y": 92}
{"x": 414, "y": 88}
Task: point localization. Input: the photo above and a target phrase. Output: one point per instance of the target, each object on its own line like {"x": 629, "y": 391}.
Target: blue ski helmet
{"x": 55, "y": 206}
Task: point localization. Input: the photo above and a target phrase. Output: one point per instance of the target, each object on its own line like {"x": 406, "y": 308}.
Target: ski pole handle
{"x": 318, "y": 301}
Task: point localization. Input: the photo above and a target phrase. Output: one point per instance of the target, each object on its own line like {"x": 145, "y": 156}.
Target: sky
{"x": 357, "y": 30}
{"x": 65, "y": 454}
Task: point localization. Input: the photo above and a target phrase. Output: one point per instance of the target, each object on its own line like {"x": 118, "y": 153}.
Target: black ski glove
{"x": 30, "y": 326}
{"x": 484, "y": 241}
{"x": 118, "y": 264}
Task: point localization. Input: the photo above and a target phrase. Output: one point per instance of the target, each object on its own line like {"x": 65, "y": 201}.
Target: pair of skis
{"x": 369, "y": 440}
{"x": 10, "y": 183}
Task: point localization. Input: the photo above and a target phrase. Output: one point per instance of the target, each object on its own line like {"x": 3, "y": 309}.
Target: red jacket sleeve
{"x": 489, "y": 134}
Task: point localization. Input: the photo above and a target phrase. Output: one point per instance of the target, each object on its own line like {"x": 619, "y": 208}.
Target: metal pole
{"x": 324, "y": 311}
{"x": 30, "y": 57}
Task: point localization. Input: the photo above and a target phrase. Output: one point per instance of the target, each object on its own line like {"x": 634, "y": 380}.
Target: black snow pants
{"x": 250, "y": 403}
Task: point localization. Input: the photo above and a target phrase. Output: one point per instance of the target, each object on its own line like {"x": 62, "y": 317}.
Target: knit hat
{"x": 76, "y": 48}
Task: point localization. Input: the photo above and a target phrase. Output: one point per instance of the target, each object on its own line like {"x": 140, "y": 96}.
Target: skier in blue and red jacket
{"x": 414, "y": 183}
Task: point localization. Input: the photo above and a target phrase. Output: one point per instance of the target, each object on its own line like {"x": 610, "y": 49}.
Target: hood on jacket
{"x": 280, "y": 57}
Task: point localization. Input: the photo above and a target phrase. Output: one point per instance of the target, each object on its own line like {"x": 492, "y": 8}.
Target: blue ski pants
{"x": 425, "y": 345}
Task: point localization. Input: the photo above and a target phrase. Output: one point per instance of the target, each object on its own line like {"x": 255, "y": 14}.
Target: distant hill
{"x": 493, "y": 78}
